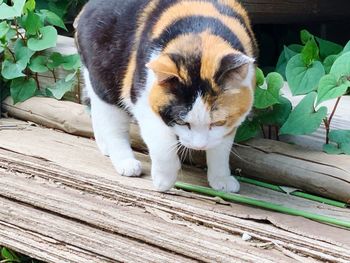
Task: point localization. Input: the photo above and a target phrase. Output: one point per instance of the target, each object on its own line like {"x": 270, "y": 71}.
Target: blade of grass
{"x": 295, "y": 193}
{"x": 262, "y": 204}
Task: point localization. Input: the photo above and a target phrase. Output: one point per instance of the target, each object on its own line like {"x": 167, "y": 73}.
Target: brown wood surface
{"x": 58, "y": 191}
{"x": 296, "y": 11}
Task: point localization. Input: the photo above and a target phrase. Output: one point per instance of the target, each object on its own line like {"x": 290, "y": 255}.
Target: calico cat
{"x": 184, "y": 69}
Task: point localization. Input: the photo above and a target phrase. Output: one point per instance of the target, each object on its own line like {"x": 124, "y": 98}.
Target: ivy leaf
{"x": 29, "y": 5}
{"x": 286, "y": 55}
{"x": 330, "y": 88}
{"x": 60, "y": 88}
{"x": 247, "y": 130}
{"x": 22, "y": 89}
{"x": 267, "y": 97}
{"x": 342, "y": 140}
{"x": 302, "y": 79}
{"x": 260, "y": 79}
{"x": 277, "y": 114}
{"x": 328, "y": 48}
{"x": 9, "y": 12}
{"x": 22, "y": 53}
{"x": 47, "y": 39}
{"x": 38, "y": 64}
{"x": 32, "y": 23}
{"x": 4, "y": 28}
{"x": 70, "y": 62}
{"x": 341, "y": 67}
{"x": 305, "y": 36}
{"x": 304, "y": 119}
{"x": 329, "y": 61}
{"x": 11, "y": 70}
{"x": 8, "y": 255}
{"x": 310, "y": 52}
{"x": 53, "y": 19}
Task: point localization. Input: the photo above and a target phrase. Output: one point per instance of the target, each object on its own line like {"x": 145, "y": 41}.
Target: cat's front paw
{"x": 164, "y": 178}
{"x": 128, "y": 167}
{"x": 224, "y": 183}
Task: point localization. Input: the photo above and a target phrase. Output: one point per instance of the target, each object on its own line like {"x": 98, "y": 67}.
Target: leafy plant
{"x": 26, "y": 34}
{"x": 9, "y": 256}
{"x": 318, "y": 69}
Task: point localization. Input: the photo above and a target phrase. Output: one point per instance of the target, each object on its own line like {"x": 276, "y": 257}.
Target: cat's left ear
{"x": 164, "y": 68}
{"x": 233, "y": 67}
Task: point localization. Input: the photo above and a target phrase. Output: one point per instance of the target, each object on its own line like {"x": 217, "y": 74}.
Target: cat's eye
{"x": 183, "y": 123}
{"x": 218, "y": 123}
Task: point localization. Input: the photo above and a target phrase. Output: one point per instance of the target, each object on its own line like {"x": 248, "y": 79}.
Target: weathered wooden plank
{"x": 123, "y": 222}
{"x": 269, "y": 160}
{"x": 296, "y": 11}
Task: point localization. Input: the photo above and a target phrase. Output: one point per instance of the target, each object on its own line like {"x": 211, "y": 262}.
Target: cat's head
{"x": 203, "y": 89}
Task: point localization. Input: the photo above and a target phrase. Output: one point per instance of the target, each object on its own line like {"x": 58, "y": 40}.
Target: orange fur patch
{"x": 159, "y": 98}
{"x": 196, "y": 8}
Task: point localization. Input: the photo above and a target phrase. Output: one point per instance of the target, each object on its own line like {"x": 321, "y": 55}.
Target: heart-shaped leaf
{"x": 277, "y": 114}
{"x": 330, "y": 88}
{"x": 4, "y": 28}
{"x": 310, "y": 52}
{"x": 260, "y": 79}
{"x": 38, "y": 64}
{"x": 328, "y": 48}
{"x": 304, "y": 119}
{"x": 329, "y": 61}
{"x": 22, "y": 89}
{"x": 286, "y": 55}
{"x": 342, "y": 140}
{"x": 47, "y": 39}
{"x": 305, "y": 36}
{"x": 29, "y": 5}
{"x": 267, "y": 97}
{"x": 53, "y": 19}
{"x": 9, "y": 12}
{"x": 302, "y": 79}
{"x": 247, "y": 130}
{"x": 11, "y": 70}
{"x": 341, "y": 67}
{"x": 60, "y": 88}
{"x": 69, "y": 62}
{"x": 32, "y": 23}
{"x": 22, "y": 53}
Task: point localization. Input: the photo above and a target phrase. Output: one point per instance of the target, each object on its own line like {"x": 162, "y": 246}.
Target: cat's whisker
{"x": 235, "y": 153}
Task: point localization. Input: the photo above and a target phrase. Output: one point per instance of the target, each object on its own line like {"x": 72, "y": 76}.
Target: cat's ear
{"x": 233, "y": 67}
{"x": 164, "y": 68}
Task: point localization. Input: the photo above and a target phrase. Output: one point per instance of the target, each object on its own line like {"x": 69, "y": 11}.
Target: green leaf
{"x": 69, "y": 62}
{"x": 260, "y": 79}
{"x": 38, "y": 64}
{"x": 342, "y": 139}
{"x": 305, "y": 36}
{"x": 328, "y": 48}
{"x": 53, "y": 19}
{"x": 277, "y": 114}
{"x": 286, "y": 55}
{"x": 60, "y": 88}
{"x": 11, "y": 70}
{"x": 302, "y": 79}
{"x": 267, "y": 97}
{"x": 346, "y": 48}
{"x": 341, "y": 67}
{"x": 4, "y": 28}
{"x": 247, "y": 130}
{"x": 9, "y": 12}
{"x": 32, "y": 23}
{"x": 330, "y": 88}
{"x": 22, "y": 89}
{"x": 332, "y": 149}
{"x": 310, "y": 52}
{"x": 70, "y": 76}
{"x": 30, "y": 5}
{"x": 304, "y": 119}
{"x": 329, "y": 61}
{"x": 9, "y": 255}
{"x": 47, "y": 39}
{"x": 22, "y": 53}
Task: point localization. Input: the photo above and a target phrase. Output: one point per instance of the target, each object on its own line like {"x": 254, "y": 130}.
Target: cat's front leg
{"x": 162, "y": 146}
{"x": 219, "y": 173}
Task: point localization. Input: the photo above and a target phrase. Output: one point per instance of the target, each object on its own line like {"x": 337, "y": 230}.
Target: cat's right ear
{"x": 164, "y": 68}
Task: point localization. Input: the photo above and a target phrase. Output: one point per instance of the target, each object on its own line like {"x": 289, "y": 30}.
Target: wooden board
{"x": 268, "y": 160}
{"x": 296, "y": 11}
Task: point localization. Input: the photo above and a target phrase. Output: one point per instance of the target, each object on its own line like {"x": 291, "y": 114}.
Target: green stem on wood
{"x": 297, "y": 193}
{"x": 267, "y": 205}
